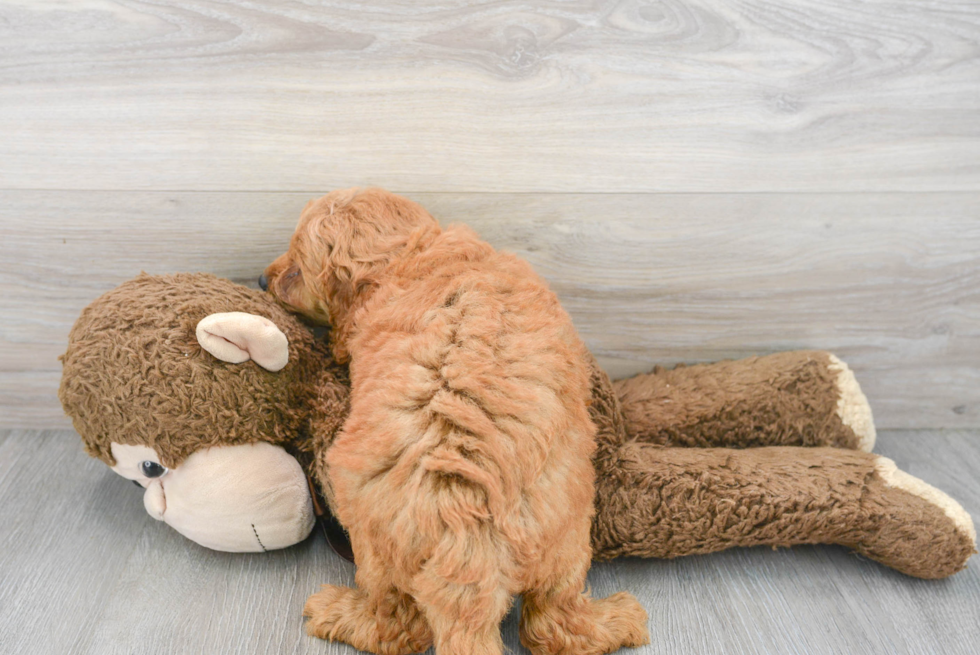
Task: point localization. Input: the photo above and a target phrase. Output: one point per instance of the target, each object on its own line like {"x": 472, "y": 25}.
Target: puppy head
{"x": 342, "y": 245}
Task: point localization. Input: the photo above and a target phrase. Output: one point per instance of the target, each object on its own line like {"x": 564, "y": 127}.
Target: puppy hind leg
{"x": 387, "y": 626}
{"x": 375, "y": 617}
{"x": 565, "y": 620}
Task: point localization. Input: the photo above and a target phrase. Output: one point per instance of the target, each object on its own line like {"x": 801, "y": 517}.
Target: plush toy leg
{"x": 802, "y": 398}
{"x": 667, "y": 502}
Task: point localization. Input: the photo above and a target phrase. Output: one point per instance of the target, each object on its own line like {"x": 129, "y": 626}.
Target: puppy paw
{"x": 623, "y": 618}
{"x": 329, "y": 612}
{"x": 347, "y": 615}
{"x": 591, "y": 626}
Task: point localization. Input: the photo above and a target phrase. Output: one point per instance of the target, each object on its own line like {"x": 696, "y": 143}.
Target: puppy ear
{"x": 237, "y": 337}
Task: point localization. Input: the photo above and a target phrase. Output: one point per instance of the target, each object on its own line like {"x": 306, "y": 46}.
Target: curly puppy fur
{"x": 463, "y": 471}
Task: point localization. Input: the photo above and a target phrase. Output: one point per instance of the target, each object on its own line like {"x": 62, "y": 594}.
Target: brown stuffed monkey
{"x": 220, "y": 404}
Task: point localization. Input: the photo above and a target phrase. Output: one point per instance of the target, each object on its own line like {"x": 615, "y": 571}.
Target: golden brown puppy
{"x": 463, "y": 472}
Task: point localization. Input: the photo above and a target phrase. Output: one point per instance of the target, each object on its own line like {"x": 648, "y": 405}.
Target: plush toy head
{"x": 201, "y": 391}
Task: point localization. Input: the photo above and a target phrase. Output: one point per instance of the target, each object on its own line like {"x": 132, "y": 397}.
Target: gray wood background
{"x": 699, "y": 179}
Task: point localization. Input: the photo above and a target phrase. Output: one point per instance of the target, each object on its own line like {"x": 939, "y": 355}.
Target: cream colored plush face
{"x": 244, "y": 498}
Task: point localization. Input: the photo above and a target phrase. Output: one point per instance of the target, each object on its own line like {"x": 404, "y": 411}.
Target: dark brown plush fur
{"x": 659, "y": 502}
{"x": 134, "y": 373}
{"x": 785, "y": 399}
{"x": 654, "y": 500}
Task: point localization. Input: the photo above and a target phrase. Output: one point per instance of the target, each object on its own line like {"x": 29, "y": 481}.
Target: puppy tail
{"x": 464, "y": 586}
{"x": 462, "y": 502}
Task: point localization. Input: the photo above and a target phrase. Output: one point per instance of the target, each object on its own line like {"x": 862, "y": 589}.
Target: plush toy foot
{"x": 392, "y": 627}
{"x": 582, "y": 625}
{"x": 911, "y": 526}
{"x": 852, "y": 406}
{"x": 801, "y": 398}
{"x": 666, "y": 502}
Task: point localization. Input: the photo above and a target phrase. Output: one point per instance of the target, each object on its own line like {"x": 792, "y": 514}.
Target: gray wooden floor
{"x": 84, "y": 569}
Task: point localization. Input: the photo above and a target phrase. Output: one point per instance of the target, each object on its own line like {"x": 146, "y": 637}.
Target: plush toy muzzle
{"x": 246, "y": 498}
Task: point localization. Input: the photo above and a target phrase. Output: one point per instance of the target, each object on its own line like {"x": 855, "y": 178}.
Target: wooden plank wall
{"x": 698, "y": 179}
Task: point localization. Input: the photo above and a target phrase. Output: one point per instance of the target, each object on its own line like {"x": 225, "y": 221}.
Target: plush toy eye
{"x": 152, "y": 469}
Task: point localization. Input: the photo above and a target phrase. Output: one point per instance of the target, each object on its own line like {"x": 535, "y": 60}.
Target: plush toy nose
{"x": 263, "y": 282}
{"x": 154, "y": 501}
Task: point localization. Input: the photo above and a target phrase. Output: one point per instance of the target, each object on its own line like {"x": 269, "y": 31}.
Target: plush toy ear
{"x": 237, "y": 337}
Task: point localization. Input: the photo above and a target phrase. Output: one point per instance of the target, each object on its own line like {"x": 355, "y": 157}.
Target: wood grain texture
{"x": 578, "y": 96}
{"x": 83, "y": 569}
{"x": 888, "y": 281}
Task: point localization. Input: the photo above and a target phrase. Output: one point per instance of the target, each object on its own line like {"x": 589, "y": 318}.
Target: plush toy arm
{"x": 665, "y": 502}
{"x": 800, "y": 398}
